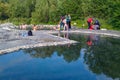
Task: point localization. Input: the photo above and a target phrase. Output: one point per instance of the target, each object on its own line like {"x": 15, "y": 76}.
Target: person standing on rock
{"x": 61, "y": 22}
{"x": 65, "y": 25}
{"x": 68, "y": 21}
{"x": 89, "y": 21}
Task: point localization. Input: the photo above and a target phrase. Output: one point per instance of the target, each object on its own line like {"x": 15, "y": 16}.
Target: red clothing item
{"x": 89, "y": 20}
{"x": 91, "y": 27}
{"x": 89, "y": 43}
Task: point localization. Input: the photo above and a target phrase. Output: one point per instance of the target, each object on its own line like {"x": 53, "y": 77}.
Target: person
{"x": 34, "y": 27}
{"x": 30, "y": 33}
{"x": 89, "y": 21}
{"x": 68, "y": 21}
{"x": 61, "y": 22}
{"x": 65, "y": 25}
{"x": 20, "y": 26}
{"x": 23, "y": 27}
{"x": 96, "y": 25}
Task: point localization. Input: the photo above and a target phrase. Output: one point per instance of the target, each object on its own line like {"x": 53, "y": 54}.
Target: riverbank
{"x": 12, "y": 40}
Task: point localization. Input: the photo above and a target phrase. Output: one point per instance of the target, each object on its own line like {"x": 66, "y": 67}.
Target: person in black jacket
{"x": 30, "y": 33}
{"x": 97, "y": 25}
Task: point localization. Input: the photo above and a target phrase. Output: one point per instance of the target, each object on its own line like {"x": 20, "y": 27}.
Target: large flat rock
{"x": 11, "y": 40}
{"x": 14, "y": 40}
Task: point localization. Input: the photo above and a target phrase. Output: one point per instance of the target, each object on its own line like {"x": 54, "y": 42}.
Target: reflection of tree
{"x": 69, "y": 53}
{"x": 104, "y": 57}
{"x": 42, "y": 52}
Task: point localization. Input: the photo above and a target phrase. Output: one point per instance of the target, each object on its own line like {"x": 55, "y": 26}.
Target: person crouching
{"x": 30, "y": 33}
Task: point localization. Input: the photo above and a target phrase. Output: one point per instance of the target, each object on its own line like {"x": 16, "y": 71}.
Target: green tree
{"x": 45, "y": 11}
{"x": 115, "y": 14}
{"x": 3, "y": 1}
{"x": 41, "y": 11}
{"x": 21, "y": 12}
{"x": 4, "y": 11}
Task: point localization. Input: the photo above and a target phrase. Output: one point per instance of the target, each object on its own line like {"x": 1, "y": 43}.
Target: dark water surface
{"x": 93, "y": 58}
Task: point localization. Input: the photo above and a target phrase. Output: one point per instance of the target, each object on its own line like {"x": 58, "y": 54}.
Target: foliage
{"x": 4, "y": 11}
{"x": 115, "y": 19}
{"x": 47, "y": 11}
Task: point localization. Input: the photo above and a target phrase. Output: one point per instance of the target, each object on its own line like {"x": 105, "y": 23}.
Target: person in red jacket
{"x": 89, "y": 21}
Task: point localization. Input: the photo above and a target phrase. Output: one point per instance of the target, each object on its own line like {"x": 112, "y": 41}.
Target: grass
{"x": 79, "y": 23}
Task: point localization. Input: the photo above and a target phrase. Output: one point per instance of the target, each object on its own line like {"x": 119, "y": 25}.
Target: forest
{"x": 49, "y": 11}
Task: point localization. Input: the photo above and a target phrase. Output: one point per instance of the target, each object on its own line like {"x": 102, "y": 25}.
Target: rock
{"x": 8, "y": 26}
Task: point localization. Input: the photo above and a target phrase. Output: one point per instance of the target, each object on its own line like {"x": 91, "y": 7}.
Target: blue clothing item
{"x": 97, "y": 23}
{"x": 61, "y": 25}
{"x": 24, "y": 34}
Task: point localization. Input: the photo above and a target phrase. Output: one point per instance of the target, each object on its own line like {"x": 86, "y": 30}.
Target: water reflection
{"x": 98, "y": 60}
{"x": 93, "y": 39}
{"x": 68, "y": 53}
{"x": 64, "y": 35}
{"x": 101, "y": 55}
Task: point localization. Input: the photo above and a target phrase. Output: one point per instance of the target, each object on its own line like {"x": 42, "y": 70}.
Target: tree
{"x": 115, "y": 13}
{"x": 4, "y": 11}
{"x": 45, "y": 11}
{"x": 21, "y": 12}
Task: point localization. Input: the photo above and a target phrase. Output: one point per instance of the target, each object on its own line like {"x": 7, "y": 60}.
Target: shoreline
{"x": 43, "y": 38}
{"x": 5, "y": 51}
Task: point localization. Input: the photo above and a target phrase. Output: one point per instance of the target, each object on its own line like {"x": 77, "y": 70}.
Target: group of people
{"x": 93, "y": 24}
{"x": 65, "y": 22}
{"x": 24, "y": 27}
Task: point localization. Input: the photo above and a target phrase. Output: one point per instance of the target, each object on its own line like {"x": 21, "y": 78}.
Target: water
{"x": 93, "y": 58}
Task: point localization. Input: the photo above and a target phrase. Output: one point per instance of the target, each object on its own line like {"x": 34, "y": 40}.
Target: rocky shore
{"x": 12, "y": 39}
